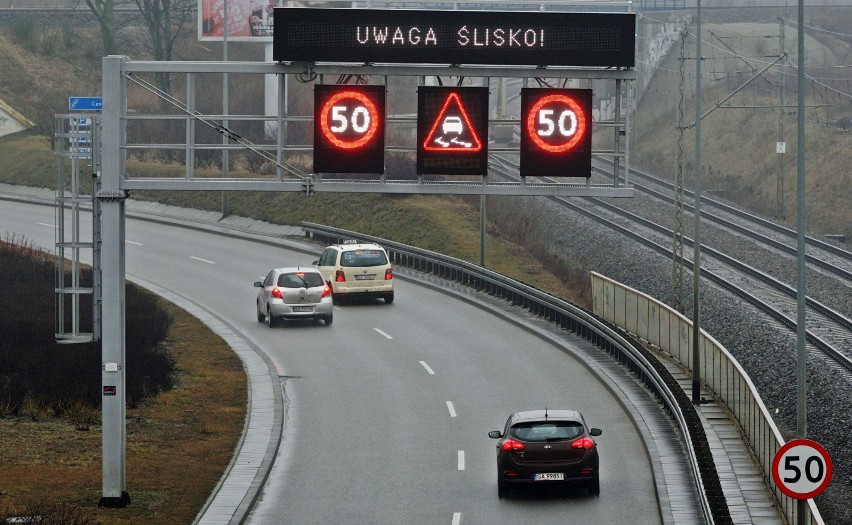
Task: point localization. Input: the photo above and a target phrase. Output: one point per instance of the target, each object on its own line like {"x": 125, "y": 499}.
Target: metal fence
{"x": 671, "y": 332}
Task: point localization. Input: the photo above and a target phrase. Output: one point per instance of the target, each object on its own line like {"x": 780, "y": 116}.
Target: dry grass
{"x": 178, "y": 445}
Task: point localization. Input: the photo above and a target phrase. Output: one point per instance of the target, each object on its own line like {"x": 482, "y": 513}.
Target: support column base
{"x": 115, "y": 503}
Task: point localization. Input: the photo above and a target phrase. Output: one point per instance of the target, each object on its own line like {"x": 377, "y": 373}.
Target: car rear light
{"x": 586, "y": 471}
{"x": 326, "y": 291}
{"x": 339, "y": 276}
{"x": 585, "y": 443}
{"x": 277, "y": 293}
{"x": 512, "y": 445}
{"x": 388, "y": 274}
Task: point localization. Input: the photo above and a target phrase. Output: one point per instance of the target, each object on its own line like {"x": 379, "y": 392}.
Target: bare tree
{"x": 165, "y": 20}
{"x": 104, "y": 11}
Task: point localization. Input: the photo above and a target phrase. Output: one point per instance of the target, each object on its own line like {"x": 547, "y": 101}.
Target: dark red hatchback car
{"x": 547, "y": 446}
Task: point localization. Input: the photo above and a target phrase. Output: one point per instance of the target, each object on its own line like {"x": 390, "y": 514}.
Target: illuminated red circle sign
{"x": 556, "y": 132}
{"x": 349, "y": 128}
{"x": 556, "y": 123}
{"x": 802, "y": 469}
{"x": 349, "y": 120}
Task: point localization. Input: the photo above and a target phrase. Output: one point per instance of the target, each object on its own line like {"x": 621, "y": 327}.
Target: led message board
{"x": 556, "y": 133}
{"x": 514, "y": 38}
{"x": 349, "y": 129}
{"x": 452, "y": 130}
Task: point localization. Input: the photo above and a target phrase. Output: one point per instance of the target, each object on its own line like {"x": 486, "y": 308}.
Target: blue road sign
{"x": 85, "y": 103}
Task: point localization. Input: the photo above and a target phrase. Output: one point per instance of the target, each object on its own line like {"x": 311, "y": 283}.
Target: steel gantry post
{"x": 111, "y": 197}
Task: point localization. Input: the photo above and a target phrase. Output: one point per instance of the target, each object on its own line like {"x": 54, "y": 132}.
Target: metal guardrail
{"x": 671, "y": 332}
{"x": 629, "y": 353}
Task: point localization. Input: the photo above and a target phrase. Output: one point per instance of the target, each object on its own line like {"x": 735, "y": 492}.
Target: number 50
{"x": 360, "y": 119}
{"x": 545, "y": 118}
{"x": 811, "y": 464}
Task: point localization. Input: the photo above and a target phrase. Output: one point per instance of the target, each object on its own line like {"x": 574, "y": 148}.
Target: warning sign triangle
{"x": 452, "y": 130}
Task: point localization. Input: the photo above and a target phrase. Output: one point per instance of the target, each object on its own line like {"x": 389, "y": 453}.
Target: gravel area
{"x": 765, "y": 349}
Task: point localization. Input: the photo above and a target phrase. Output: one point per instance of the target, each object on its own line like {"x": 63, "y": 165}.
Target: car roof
{"x": 358, "y": 246}
{"x": 539, "y": 415}
{"x": 294, "y": 269}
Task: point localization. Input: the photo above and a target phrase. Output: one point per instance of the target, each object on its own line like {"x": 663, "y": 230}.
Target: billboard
{"x": 248, "y": 20}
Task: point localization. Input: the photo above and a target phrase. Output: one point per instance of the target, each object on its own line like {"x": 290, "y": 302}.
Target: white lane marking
{"x": 134, "y": 242}
{"x": 431, "y": 372}
{"x": 456, "y": 518}
{"x": 46, "y": 224}
{"x": 461, "y": 459}
{"x": 382, "y": 333}
{"x": 200, "y": 259}
{"x": 451, "y": 408}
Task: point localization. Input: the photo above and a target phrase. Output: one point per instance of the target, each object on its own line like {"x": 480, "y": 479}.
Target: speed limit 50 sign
{"x": 802, "y": 469}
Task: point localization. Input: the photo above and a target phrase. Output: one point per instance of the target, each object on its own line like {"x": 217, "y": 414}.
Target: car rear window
{"x": 359, "y": 258}
{"x": 547, "y": 430}
{"x": 300, "y": 280}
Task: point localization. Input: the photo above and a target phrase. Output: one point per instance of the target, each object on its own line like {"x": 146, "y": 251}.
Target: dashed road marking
{"x": 387, "y": 336}
{"x": 451, "y": 408}
{"x": 461, "y": 459}
{"x": 200, "y": 259}
{"x": 431, "y": 372}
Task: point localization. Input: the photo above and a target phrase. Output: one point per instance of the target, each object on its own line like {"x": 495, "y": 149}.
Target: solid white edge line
{"x": 451, "y": 408}
{"x": 387, "y": 336}
{"x": 200, "y": 259}
{"x": 431, "y": 372}
{"x": 461, "y": 459}
{"x": 456, "y": 518}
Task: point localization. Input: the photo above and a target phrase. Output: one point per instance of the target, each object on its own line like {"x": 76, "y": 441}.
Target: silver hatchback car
{"x": 293, "y": 293}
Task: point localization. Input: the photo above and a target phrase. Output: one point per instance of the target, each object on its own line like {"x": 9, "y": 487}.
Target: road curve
{"x": 387, "y": 410}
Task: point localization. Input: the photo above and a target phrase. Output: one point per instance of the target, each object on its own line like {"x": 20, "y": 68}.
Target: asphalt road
{"x": 387, "y": 410}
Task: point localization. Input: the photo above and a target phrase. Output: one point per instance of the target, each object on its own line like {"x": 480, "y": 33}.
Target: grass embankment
{"x": 178, "y": 444}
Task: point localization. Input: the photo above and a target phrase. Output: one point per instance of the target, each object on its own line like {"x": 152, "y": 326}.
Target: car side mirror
{"x": 315, "y": 263}
{"x": 595, "y": 432}
{"x": 495, "y": 434}
{"x": 258, "y": 284}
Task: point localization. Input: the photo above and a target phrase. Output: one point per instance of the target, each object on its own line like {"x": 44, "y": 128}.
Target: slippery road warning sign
{"x": 452, "y": 130}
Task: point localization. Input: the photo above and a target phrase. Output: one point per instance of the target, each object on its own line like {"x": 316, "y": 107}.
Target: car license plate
{"x": 549, "y": 476}
{"x": 303, "y": 308}
{"x": 365, "y": 277}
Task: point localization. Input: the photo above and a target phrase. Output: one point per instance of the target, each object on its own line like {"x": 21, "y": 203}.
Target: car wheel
{"x": 502, "y": 490}
{"x": 260, "y": 317}
{"x": 595, "y": 487}
{"x": 328, "y": 319}
{"x": 270, "y": 319}
{"x": 389, "y": 298}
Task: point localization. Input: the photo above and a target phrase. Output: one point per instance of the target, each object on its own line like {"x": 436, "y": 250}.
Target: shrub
{"x": 37, "y": 373}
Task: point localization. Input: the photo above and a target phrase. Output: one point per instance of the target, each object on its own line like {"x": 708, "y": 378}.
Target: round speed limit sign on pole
{"x": 802, "y": 469}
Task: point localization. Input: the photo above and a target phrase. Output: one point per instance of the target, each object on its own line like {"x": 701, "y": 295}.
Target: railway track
{"x": 829, "y": 331}
{"x": 820, "y": 254}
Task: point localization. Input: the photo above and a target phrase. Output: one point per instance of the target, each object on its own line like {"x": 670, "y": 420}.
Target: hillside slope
{"x": 739, "y": 135}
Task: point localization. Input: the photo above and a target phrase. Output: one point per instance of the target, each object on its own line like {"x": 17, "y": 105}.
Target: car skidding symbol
{"x": 445, "y": 144}
{"x": 452, "y": 125}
